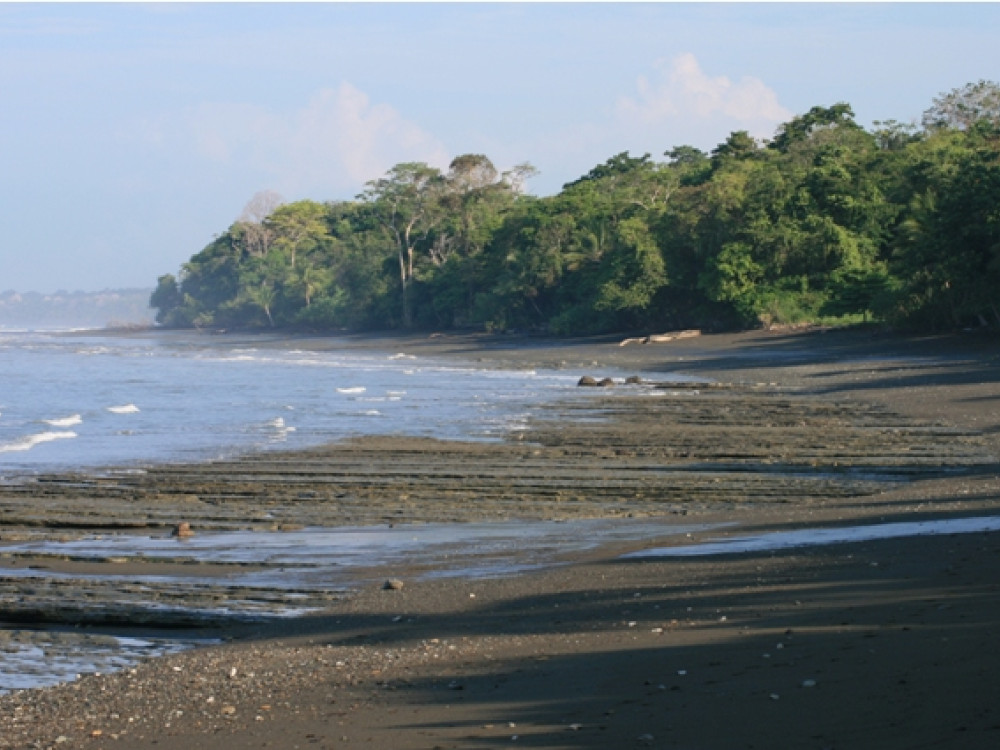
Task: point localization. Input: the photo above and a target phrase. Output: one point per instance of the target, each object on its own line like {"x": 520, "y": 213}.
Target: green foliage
{"x": 947, "y": 252}
{"x": 792, "y": 303}
{"x": 859, "y": 291}
{"x": 167, "y": 300}
{"x": 825, "y": 222}
{"x": 805, "y": 127}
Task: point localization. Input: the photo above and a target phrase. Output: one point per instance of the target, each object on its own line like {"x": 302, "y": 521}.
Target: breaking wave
{"x": 64, "y": 421}
{"x": 124, "y": 409}
{"x": 30, "y": 441}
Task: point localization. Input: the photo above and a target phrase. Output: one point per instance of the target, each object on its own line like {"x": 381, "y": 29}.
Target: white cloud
{"x": 345, "y": 130}
{"x": 681, "y": 93}
{"x": 676, "y": 104}
{"x": 333, "y": 144}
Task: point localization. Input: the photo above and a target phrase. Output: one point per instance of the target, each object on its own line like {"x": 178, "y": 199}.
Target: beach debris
{"x": 633, "y": 380}
{"x": 182, "y": 530}
{"x": 661, "y": 338}
{"x": 589, "y": 381}
{"x": 392, "y": 584}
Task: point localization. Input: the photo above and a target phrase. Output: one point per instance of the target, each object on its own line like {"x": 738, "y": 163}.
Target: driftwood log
{"x": 661, "y": 338}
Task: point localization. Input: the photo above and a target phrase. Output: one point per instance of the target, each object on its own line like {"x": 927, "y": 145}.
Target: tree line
{"x": 827, "y": 221}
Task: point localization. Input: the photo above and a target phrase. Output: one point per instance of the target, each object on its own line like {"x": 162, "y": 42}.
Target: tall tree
{"x": 253, "y": 231}
{"x": 801, "y": 128}
{"x": 947, "y": 254}
{"x": 298, "y": 228}
{"x": 963, "y": 107}
{"x": 406, "y": 202}
{"x": 166, "y": 299}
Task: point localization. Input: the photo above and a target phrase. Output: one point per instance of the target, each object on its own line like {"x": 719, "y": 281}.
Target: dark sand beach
{"x": 866, "y": 644}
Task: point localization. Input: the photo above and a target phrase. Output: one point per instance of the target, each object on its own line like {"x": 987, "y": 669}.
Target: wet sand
{"x": 884, "y": 644}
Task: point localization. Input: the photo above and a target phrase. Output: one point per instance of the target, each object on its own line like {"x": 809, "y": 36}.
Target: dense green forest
{"x": 827, "y": 221}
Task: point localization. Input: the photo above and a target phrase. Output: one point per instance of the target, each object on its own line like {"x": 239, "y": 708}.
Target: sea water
{"x": 91, "y": 400}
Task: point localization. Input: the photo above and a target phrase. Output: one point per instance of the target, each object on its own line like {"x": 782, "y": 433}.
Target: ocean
{"x": 84, "y": 400}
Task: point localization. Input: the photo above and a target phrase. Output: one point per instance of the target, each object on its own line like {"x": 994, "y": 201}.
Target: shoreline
{"x": 591, "y": 654}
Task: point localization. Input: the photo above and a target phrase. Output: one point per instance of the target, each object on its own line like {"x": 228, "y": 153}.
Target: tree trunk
{"x": 404, "y": 280}
{"x": 406, "y": 269}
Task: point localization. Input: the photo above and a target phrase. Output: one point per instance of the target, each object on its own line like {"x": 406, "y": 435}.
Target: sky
{"x": 131, "y": 134}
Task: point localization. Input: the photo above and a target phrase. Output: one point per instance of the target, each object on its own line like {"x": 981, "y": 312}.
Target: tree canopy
{"x": 826, "y": 221}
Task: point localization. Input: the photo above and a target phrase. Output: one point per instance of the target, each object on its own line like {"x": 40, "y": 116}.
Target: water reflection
{"x": 779, "y": 540}
{"x": 319, "y": 556}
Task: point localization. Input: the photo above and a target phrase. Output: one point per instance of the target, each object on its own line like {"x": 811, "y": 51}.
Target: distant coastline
{"x": 62, "y": 310}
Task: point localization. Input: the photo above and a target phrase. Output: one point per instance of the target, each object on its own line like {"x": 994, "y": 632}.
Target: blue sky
{"x": 130, "y": 134}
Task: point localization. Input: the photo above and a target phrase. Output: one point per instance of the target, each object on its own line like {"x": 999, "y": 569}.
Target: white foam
{"x": 30, "y": 441}
{"x": 352, "y": 389}
{"x": 64, "y": 421}
{"x": 281, "y": 430}
{"x": 402, "y": 356}
{"x": 279, "y": 424}
{"x": 124, "y": 409}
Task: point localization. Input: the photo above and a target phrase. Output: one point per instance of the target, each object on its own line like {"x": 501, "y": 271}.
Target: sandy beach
{"x": 864, "y": 644}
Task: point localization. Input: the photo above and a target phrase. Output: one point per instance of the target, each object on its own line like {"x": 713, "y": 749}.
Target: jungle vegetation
{"x": 826, "y": 222}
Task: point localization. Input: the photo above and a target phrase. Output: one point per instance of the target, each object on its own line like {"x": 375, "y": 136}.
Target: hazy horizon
{"x": 74, "y": 309}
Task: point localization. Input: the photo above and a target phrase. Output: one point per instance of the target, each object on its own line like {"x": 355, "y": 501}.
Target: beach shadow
{"x": 896, "y": 361}
{"x": 886, "y": 644}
